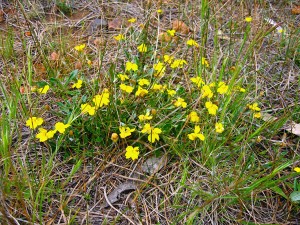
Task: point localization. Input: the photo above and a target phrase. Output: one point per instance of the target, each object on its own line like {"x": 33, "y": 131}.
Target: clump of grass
{"x": 194, "y": 105}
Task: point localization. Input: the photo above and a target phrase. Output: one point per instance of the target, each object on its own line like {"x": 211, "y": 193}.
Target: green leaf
{"x": 71, "y": 77}
{"x": 54, "y": 81}
{"x": 279, "y": 191}
{"x": 295, "y": 196}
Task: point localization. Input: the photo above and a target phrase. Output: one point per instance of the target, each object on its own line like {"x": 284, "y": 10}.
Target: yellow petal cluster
{"x": 131, "y": 66}
{"x": 141, "y": 92}
{"x": 119, "y": 37}
{"x": 34, "y": 122}
{"x": 206, "y": 92}
{"x": 44, "y": 89}
{"x": 212, "y": 108}
{"x": 143, "y": 82}
{"x": 61, "y": 127}
{"x": 145, "y": 117}
{"x": 180, "y": 103}
{"x": 78, "y": 84}
{"x": 79, "y": 48}
{"x": 126, "y": 88}
{"x": 87, "y": 108}
{"x": 178, "y": 63}
{"x": 125, "y": 131}
{"x": 159, "y": 69}
{"x": 219, "y": 127}
{"x": 142, "y": 48}
{"x": 222, "y": 88}
{"x": 153, "y": 132}
{"x": 196, "y": 134}
{"x": 132, "y": 152}
{"x": 192, "y": 42}
{"x": 102, "y": 99}
{"x": 193, "y": 117}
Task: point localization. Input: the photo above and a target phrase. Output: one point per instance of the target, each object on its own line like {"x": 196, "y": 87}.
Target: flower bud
{"x": 114, "y": 137}
{"x": 153, "y": 112}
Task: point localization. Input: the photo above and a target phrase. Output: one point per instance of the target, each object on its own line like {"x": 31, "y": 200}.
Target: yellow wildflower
{"x": 34, "y": 122}
{"x": 192, "y": 42}
{"x": 222, "y": 88}
{"x": 248, "y": 19}
{"x": 61, "y": 127}
{"x": 44, "y": 89}
{"x": 212, "y": 108}
{"x": 141, "y": 92}
{"x": 180, "y": 103}
{"x": 131, "y": 66}
{"x": 87, "y": 108}
{"x": 132, "y": 152}
{"x": 142, "y": 48}
{"x": 145, "y": 117}
{"x": 157, "y": 87}
{"x": 254, "y": 107}
{"x": 178, "y": 63}
{"x": 79, "y": 48}
{"x": 102, "y": 99}
{"x": 297, "y": 169}
{"x": 171, "y": 92}
{"x": 159, "y": 11}
{"x": 219, "y": 127}
{"x": 257, "y": 115}
{"x": 171, "y": 32}
{"x": 206, "y": 92}
{"x": 78, "y": 84}
{"x": 196, "y": 134}
{"x": 197, "y": 80}
{"x": 132, "y": 20}
{"x": 204, "y": 62}
{"x": 153, "y": 132}
{"x": 123, "y": 77}
{"x": 143, "y": 82}
{"x": 119, "y": 37}
{"x": 243, "y": 90}
{"x": 44, "y": 135}
{"x": 125, "y": 131}
{"x": 212, "y": 85}
{"x": 159, "y": 68}
{"x": 193, "y": 116}
{"x": 126, "y": 88}
{"x": 168, "y": 59}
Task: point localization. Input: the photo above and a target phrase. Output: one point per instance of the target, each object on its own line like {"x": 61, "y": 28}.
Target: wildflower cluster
{"x": 145, "y": 82}
{"x": 43, "y": 134}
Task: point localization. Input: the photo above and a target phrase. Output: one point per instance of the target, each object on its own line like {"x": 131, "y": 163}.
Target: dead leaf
{"x": 180, "y": 27}
{"x": 150, "y": 166}
{"x": 27, "y": 33}
{"x": 54, "y": 56}
{"x": 115, "y": 195}
{"x": 23, "y": 89}
{"x": 78, "y": 65}
{"x": 153, "y": 164}
{"x": 2, "y": 18}
{"x": 40, "y": 70}
{"x": 96, "y": 25}
{"x": 99, "y": 42}
{"x": 222, "y": 36}
{"x": 115, "y": 24}
{"x": 165, "y": 37}
{"x": 292, "y": 127}
{"x": 296, "y": 10}
{"x": 289, "y": 126}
